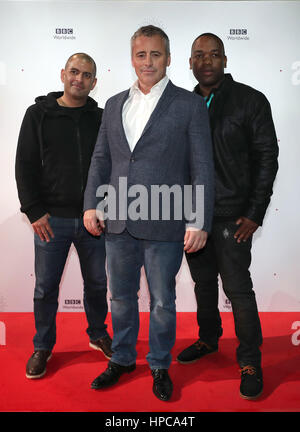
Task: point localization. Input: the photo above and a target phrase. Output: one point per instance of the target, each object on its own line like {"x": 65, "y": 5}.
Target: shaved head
{"x": 84, "y": 57}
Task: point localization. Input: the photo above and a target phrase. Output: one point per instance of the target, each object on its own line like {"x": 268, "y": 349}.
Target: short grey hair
{"x": 149, "y": 31}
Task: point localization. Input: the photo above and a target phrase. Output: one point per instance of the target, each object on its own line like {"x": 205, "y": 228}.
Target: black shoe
{"x": 103, "y": 344}
{"x": 111, "y": 375}
{"x": 251, "y": 382}
{"x": 195, "y": 351}
{"x": 36, "y": 365}
{"x": 162, "y": 384}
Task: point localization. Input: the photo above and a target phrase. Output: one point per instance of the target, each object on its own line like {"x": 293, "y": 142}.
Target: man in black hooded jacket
{"x": 55, "y": 146}
{"x": 245, "y": 156}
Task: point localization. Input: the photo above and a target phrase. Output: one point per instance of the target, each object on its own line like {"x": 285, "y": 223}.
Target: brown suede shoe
{"x": 103, "y": 344}
{"x": 36, "y": 365}
{"x": 195, "y": 352}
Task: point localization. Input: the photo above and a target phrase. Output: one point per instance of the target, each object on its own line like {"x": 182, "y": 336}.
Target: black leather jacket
{"x": 53, "y": 156}
{"x": 245, "y": 150}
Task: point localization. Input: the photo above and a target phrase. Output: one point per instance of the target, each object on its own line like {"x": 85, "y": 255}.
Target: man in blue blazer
{"x": 154, "y": 138}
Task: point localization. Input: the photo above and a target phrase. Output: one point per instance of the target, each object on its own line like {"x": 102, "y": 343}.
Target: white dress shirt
{"x": 138, "y": 108}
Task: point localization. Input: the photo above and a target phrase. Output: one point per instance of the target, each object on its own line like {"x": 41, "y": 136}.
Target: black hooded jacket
{"x": 245, "y": 150}
{"x": 53, "y": 156}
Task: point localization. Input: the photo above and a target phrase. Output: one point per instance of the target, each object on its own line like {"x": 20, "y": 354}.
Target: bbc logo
{"x": 72, "y": 302}
{"x": 64, "y": 31}
{"x": 238, "y": 31}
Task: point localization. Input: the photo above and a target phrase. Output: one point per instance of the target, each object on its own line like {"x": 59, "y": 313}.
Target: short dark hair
{"x": 212, "y": 36}
{"x": 85, "y": 57}
{"x": 149, "y": 31}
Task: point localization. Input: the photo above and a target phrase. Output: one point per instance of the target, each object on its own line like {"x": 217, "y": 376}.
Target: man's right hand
{"x": 42, "y": 228}
{"x": 92, "y": 223}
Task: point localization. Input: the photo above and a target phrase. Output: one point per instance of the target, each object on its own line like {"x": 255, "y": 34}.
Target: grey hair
{"x": 149, "y": 31}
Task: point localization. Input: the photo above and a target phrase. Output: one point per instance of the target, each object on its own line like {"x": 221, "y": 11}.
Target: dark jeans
{"x": 223, "y": 255}
{"x": 50, "y": 259}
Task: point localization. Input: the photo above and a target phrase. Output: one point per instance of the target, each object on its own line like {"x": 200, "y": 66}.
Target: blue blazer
{"x": 174, "y": 149}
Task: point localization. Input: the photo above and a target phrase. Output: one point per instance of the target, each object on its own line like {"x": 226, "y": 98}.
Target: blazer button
{"x": 132, "y": 159}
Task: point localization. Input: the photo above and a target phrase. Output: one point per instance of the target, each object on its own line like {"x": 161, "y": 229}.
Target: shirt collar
{"x": 227, "y": 79}
{"x": 156, "y": 90}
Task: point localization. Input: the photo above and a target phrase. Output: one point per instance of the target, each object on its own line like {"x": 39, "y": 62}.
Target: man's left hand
{"x": 246, "y": 229}
{"x": 194, "y": 240}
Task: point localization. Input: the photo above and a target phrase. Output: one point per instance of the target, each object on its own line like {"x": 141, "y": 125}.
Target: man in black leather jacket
{"x": 55, "y": 146}
{"x": 245, "y": 156}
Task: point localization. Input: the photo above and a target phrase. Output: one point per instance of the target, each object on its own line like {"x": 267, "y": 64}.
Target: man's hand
{"x": 194, "y": 240}
{"x": 92, "y": 223}
{"x": 246, "y": 228}
{"x": 42, "y": 228}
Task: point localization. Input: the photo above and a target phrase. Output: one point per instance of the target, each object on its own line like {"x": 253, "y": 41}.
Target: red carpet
{"x": 211, "y": 385}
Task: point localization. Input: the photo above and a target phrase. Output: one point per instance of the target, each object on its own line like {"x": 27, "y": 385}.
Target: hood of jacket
{"x": 49, "y": 103}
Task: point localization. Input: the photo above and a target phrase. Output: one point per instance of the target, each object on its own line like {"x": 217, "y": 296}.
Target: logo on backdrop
{"x": 72, "y": 304}
{"x": 296, "y": 74}
{"x": 2, "y": 333}
{"x": 64, "y": 33}
{"x": 238, "y": 34}
{"x": 226, "y": 303}
{"x": 296, "y": 335}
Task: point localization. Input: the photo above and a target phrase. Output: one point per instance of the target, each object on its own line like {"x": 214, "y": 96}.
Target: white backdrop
{"x": 262, "y": 41}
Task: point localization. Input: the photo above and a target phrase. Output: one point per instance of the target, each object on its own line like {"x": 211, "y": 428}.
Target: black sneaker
{"x": 36, "y": 365}
{"x": 103, "y": 344}
{"x": 194, "y": 352}
{"x": 251, "y": 382}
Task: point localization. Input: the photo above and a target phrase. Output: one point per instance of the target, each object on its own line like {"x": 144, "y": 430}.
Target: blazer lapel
{"x": 120, "y": 105}
{"x": 166, "y": 98}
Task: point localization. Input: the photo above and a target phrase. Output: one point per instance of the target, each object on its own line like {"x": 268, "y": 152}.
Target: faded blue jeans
{"x": 50, "y": 259}
{"x": 125, "y": 257}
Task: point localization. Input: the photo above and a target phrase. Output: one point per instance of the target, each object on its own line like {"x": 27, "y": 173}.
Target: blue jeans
{"x": 223, "y": 255}
{"x": 125, "y": 257}
{"x": 50, "y": 259}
